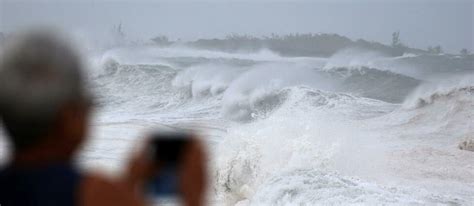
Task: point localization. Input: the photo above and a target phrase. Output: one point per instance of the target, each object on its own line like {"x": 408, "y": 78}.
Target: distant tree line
{"x": 309, "y": 44}
{"x": 291, "y": 44}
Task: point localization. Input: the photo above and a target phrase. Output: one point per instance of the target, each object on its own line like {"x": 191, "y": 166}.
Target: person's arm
{"x": 97, "y": 190}
{"x": 193, "y": 176}
{"x": 128, "y": 190}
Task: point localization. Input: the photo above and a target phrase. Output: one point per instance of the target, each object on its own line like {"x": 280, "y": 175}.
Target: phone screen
{"x": 167, "y": 152}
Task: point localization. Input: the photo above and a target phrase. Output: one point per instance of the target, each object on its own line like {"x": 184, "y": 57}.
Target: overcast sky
{"x": 421, "y": 22}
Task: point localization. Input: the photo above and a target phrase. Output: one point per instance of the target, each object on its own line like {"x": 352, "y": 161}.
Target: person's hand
{"x": 127, "y": 190}
{"x": 193, "y": 174}
{"x": 140, "y": 168}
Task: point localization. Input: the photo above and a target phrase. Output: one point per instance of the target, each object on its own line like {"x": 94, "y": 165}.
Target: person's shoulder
{"x": 4, "y": 176}
{"x": 98, "y": 189}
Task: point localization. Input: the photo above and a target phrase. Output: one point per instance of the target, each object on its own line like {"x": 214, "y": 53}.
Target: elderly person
{"x": 45, "y": 108}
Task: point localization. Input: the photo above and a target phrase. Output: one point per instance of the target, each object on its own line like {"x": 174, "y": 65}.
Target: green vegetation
{"x": 321, "y": 45}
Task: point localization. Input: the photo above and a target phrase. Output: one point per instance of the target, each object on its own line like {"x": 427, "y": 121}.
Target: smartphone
{"x": 167, "y": 151}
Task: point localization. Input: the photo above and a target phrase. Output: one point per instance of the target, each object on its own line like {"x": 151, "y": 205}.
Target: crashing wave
{"x": 308, "y": 132}
{"x": 206, "y": 80}
{"x": 445, "y": 107}
{"x": 449, "y": 95}
{"x": 261, "y": 104}
{"x": 454, "y": 89}
{"x": 127, "y": 88}
{"x": 281, "y": 159}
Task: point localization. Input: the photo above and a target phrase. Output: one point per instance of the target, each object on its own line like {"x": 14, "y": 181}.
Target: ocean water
{"x": 357, "y": 128}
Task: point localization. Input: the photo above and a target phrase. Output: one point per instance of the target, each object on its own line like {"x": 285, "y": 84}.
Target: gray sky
{"x": 421, "y": 22}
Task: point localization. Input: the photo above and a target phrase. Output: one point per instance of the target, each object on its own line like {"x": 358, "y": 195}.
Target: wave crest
{"x": 455, "y": 93}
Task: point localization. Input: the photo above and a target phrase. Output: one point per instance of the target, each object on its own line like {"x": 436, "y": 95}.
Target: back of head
{"x": 39, "y": 73}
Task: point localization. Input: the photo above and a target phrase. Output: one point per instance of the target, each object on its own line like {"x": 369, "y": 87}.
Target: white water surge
{"x": 295, "y": 131}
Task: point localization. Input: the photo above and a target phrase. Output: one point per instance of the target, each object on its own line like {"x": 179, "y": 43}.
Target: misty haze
{"x": 299, "y": 103}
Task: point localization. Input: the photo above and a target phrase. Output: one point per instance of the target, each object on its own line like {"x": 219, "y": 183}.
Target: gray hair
{"x": 39, "y": 73}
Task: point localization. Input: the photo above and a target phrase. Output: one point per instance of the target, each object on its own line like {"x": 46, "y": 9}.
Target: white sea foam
{"x": 295, "y": 131}
{"x": 290, "y": 131}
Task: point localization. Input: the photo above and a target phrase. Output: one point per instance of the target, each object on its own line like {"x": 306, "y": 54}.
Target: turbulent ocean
{"x": 356, "y": 128}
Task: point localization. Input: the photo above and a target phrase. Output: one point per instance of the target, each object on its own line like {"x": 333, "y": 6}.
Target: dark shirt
{"x": 50, "y": 185}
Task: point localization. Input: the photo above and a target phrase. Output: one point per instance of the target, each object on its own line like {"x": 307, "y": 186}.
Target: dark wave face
{"x": 376, "y": 84}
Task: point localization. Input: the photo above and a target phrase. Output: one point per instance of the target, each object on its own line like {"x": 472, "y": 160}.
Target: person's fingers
{"x": 193, "y": 175}
{"x": 140, "y": 166}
